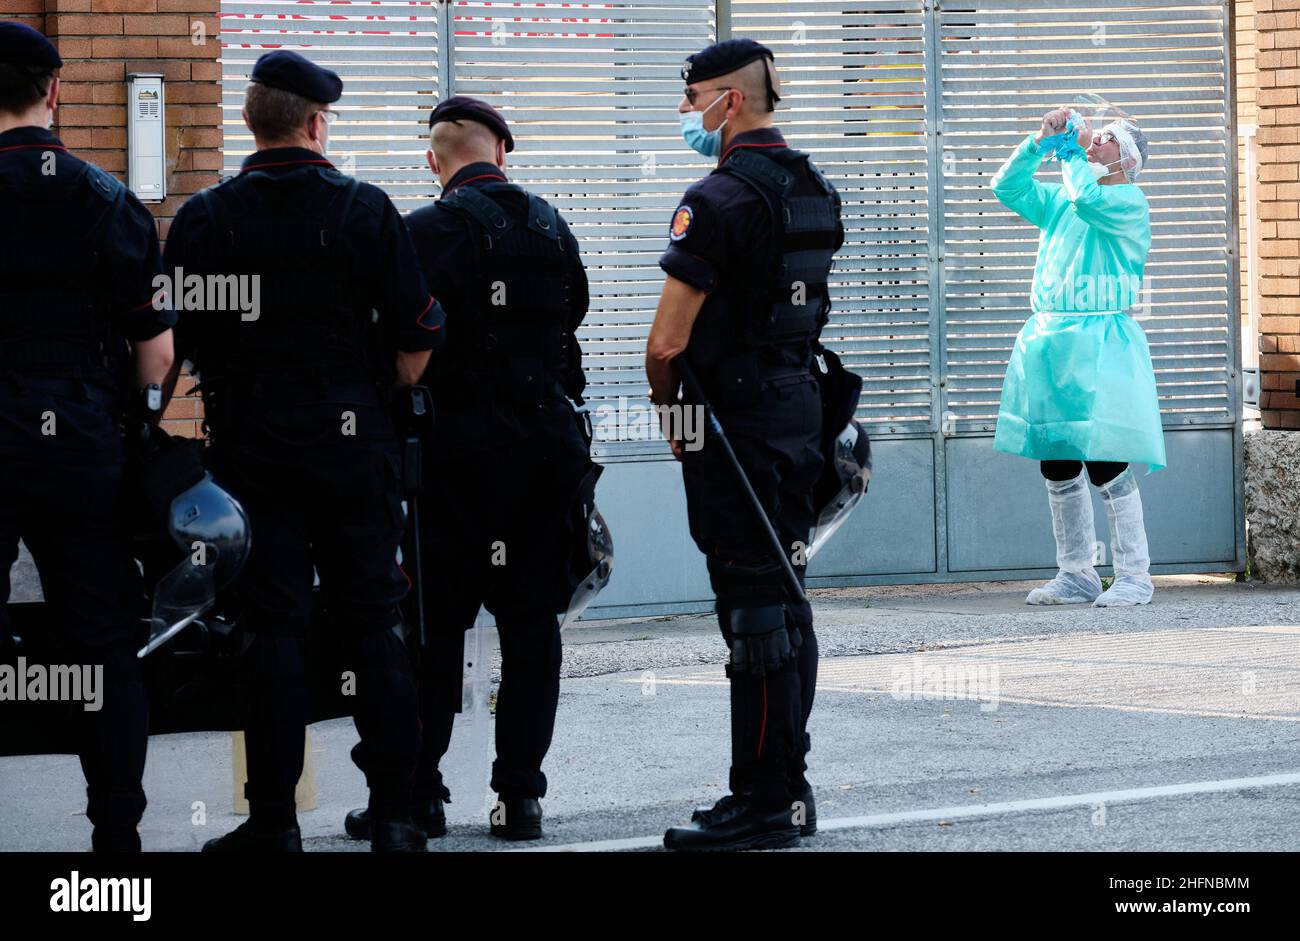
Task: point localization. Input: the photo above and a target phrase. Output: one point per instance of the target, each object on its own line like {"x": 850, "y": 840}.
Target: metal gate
{"x": 909, "y": 107}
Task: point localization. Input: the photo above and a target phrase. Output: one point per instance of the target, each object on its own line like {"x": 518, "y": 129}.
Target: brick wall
{"x": 1277, "y": 24}
{"x": 1246, "y": 74}
{"x": 101, "y": 42}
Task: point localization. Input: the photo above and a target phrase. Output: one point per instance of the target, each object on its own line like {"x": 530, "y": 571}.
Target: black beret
{"x": 295, "y": 73}
{"x": 22, "y": 45}
{"x": 462, "y": 108}
{"x": 722, "y": 58}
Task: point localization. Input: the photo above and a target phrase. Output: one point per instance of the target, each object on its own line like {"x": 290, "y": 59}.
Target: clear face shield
{"x": 1094, "y": 119}
{"x": 211, "y": 529}
{"x": 852, "y": 464}
{"x": 600, "y": 548}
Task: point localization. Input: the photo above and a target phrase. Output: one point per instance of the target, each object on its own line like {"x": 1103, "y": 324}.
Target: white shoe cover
{"x": 1128, "y": 542}
{"x": 1076, "y": 537}
{"x": 1068, "y": 588}
{"x": 1126, "y": 590}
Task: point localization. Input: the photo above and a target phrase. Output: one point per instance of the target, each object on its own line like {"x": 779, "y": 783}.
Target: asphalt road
{"x": 948, "y": 718}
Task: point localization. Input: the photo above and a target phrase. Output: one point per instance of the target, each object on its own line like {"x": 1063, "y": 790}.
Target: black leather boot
{"x": 429, "y": 816}
{"x": 517, "y": 818}
{"x": 395, "y": 836}
{"x": 735, "y": 823}
{"x": 106, "y": 840}
{"x": 808, "y": 827}
{"x": 253, "y": 837}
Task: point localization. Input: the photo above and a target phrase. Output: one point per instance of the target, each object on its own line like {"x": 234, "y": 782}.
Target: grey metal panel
{"x": 890, "y": 533}
{"x": 655, "y": 560}
{"x": 998, "y": 517}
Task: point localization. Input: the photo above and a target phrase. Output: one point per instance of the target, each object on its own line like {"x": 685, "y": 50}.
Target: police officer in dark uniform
{"x": 509, "y": 455}
{"x": 296, "y": 402}
{"x": 745, "y": 300}
{"x": 78, "y": 259}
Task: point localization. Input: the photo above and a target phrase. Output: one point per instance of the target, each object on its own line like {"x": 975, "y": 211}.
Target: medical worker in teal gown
{"x": 1080, "y": 394}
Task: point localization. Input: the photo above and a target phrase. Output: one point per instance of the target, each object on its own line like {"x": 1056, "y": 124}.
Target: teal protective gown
{"x": 1080, "y": 385}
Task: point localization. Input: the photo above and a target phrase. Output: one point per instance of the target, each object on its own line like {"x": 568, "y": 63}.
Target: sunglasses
{"x": 329, "y": 116}
{"x": 693, "y": 93}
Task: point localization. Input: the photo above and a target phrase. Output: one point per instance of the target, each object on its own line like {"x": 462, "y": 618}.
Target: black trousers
{"x": 495, "y": 533}
{"x": 1099, "y": 472}
{"x": 67, "y": 506}
{"x": 776, "y": 440}
{"x": 319, "y": 501}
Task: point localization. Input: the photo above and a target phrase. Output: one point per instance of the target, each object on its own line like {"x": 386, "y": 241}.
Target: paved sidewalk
{"x": 948, "y": 717}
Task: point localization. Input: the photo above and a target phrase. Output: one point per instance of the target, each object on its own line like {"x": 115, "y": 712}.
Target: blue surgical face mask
{"x": 708, "y": 143}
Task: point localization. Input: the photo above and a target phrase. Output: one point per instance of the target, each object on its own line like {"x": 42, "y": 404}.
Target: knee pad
{"x": 760, "y": 641}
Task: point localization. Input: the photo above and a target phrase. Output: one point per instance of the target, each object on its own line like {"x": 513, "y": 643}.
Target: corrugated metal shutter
{"x": 386, "y": 52}
{"x": 854, "y": 96}
{"x": 591, "y": 93}
{"x": 1002, "y": 66}
{"x": 932, "y": 284}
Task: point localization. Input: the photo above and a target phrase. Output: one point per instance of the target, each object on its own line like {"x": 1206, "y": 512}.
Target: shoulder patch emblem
{"x": 682, "y": 220}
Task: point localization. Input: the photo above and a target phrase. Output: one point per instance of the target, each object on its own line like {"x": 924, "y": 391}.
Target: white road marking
{"x": 971, "y": 810}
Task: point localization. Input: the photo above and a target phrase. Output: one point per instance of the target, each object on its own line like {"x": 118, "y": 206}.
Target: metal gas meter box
{"x": 146, "y": 147}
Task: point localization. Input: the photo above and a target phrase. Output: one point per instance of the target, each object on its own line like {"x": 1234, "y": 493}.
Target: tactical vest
{"x": 316, "y": 328}
{"x": 780, "y": 318}
{"x": 57, "y": 295}
{"x": 515, "y": 337}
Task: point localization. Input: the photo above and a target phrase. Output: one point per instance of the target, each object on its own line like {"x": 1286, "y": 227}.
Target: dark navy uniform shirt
{"x": 720, "y": 237}
{"x": 446, "y": 248}
{"x": 78, "y": 195}
{"x": 68, "y": 226}
{"x": 377, "y": 246}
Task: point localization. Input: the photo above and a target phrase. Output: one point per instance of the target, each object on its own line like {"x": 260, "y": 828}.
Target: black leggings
{"x": 1099, "y": 472}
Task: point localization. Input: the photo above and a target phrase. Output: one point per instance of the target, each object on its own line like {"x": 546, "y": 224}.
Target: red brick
{"x": 109, "y": 93}
{"x": 206, "y": 72}
{"x": 1287, "y": 420}
{"x": 206, "y": 159}
{"x": 189, "y": 6}
{"x": 170, "y": 69}
{"x": 184, "y": 49}
{"x": 1279, "y": 362}
{"x": 78, "y": 24}
{"x": 190, "y": 183}
{"x": 92, "y": 116}
{"x": 109, "y": 138}
{"x": 73, "y": 93}
{"x": 125, "y": 47}
{"x": 186, "y": 407}
{"x": 76, "y": 138}
{"x": 156, "y": 24}
{"x": 114, "y": 161}
{"x": 203, "y": 93}
{"x": 185, "y": 429}
{"x": 124, "y": 6}
{"x": 194, "y": 115}
{"x": 73, "y": 49}
{"x": 90, "y": 71}
{"x": 201, "y": 137}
